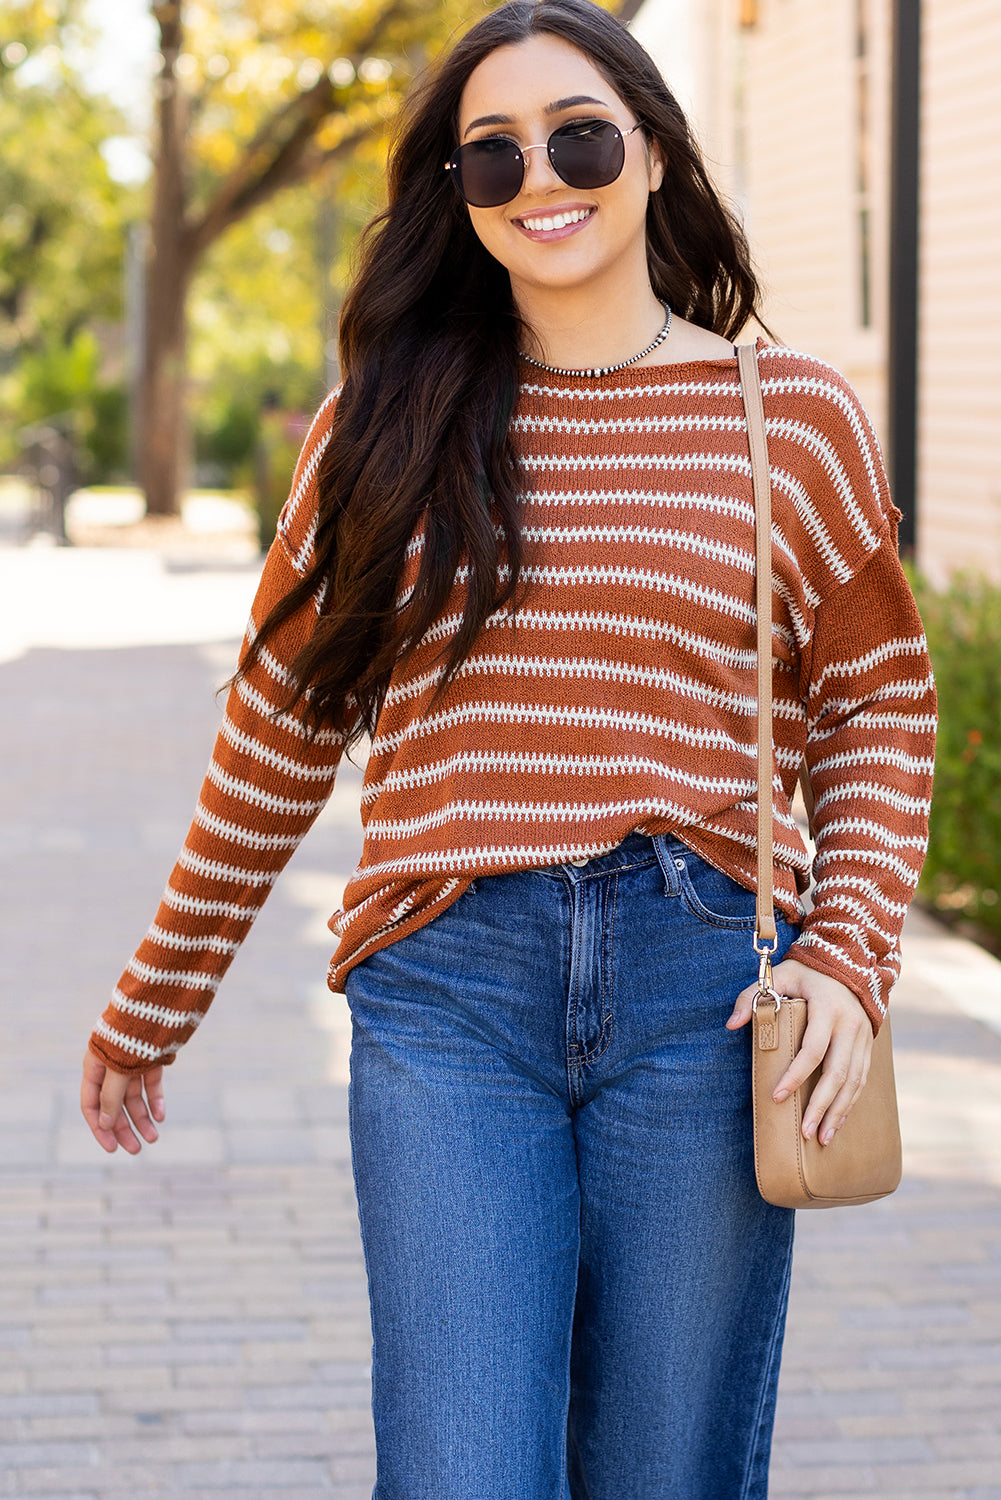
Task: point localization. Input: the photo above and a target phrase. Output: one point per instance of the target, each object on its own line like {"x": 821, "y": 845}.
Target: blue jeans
{"x": 577, "y": 1292}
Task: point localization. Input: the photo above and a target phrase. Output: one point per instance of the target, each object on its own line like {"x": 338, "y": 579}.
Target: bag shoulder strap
{"x": 750, "y": 386}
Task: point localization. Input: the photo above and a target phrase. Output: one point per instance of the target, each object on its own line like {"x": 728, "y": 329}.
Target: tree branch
{"x": 264, "y": 165}
{"x": 272, "y": 157}
{"x": 315, "y": 161}
{"x": 295, "y": 162}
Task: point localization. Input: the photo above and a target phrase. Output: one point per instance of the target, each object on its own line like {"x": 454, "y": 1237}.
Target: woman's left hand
{"x": 838, "y": 1036}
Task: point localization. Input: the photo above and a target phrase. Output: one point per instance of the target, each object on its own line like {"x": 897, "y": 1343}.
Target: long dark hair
{"x": 429, "y": 342}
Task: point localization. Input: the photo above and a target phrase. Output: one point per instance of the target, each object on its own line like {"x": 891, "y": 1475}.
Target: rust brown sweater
{"x": 620, "y": 697}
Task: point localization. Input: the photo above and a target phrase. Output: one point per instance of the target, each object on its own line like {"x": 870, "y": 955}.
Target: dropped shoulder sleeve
{"x": 866, "y": 685}
{"x": 870, "y": 750}
{"x": 266, "y": 782}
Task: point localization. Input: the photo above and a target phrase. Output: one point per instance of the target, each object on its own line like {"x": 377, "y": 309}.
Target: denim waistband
{"x": 635, "y": 849}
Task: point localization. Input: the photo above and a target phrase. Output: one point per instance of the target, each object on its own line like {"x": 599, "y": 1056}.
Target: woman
{"x": 518, "y": 552}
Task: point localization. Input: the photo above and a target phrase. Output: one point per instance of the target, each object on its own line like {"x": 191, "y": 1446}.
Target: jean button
{"x": 580, "y": 863}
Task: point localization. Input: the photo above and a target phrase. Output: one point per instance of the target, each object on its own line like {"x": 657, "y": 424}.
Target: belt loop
{"x": 669, "y": 870}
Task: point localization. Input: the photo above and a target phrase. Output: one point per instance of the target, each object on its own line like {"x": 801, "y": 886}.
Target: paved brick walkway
{"x": 194, "y": 1322}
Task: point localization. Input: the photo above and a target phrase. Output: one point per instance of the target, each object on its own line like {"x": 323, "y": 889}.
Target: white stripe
{"x": 692, "y": 422}
{"x": 837, "y": 393}
{"x": 175, "y": 978}
{"x": 647, "y": 463}
{"x": 864, "y": 915}
{"x": 481, "y": 762}
{"x": 213, "y": 870}
{"x": 877, "y": 831}
{"x": 872, "y": 791}
{"x": 681, "y": 541}
{"x": 634, "y": 626}
{"x": 589, "y": 394}
{"x": 164, "y": 939}
{"x": 163, "y": 1015}
{"x": 233, "y": 911}
{"x": 838, "y": 880}
{"x": 790, "y": 486}
{"x": 255, "y": 796}
{"x": 879, "y": 755}
{"x": 845, "y": 707}
{"x": 268, "y": 711}
{"x": 288, "y": 766}
{"x": 638, "y": 578}
{"x": 913, "y": 724}
{"x": 829, "y": 859}
{"x": 396, "y": 914}
{"x": 484, "y": 713}
{"x": 132, "y": 1044}
{"x": 595, "y": 499}
{"x": 388, "y": 830}
{"x": 237, "y": 833}
{"x": 823, "y": 452}
{"x": 914, "y": 645}
{"x": 787, "y": 856}
{"x": 574, "y": 668}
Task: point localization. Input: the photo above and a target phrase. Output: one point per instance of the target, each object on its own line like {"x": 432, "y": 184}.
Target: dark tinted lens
{"x": 489, "y": 172}
{"x": 588, "y": 153}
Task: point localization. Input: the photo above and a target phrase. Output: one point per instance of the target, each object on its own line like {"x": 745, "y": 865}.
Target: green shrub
{"x": 962, "y": 875}
{"x": 107, "y": 437}
{"x": 226, "y": 429}
{"x": 64, "y": 381}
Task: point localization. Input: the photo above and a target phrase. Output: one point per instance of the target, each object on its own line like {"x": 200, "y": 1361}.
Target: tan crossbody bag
{"x": 863, "y": 1160}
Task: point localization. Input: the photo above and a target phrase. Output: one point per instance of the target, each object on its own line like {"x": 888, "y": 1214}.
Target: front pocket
{"x": 713, "y": 897}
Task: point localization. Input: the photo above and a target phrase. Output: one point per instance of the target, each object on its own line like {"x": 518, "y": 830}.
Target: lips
{"x": 554, "y": 224}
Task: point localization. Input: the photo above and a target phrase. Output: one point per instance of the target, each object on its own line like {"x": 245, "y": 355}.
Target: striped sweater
{"x": 619, "y": 696}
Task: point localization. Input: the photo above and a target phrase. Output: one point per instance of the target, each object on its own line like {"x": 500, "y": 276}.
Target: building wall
{"x": 793, "y": 114}
{"x": 960, "y": 339}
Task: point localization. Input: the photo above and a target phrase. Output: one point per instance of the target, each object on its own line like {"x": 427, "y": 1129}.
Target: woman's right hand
{"x": 112, "y": 1103}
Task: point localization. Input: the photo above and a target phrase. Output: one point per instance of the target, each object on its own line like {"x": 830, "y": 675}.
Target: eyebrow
{"x": 556, "y": 107}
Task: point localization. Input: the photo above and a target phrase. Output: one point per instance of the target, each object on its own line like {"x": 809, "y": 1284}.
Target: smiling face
{"x": 552, "y": 236}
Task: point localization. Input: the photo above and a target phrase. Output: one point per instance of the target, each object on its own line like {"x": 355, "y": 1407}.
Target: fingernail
{"x": 827, "y": 1137}
{"x": 780, "y": 1096}
{"x": 104, "y": 1122}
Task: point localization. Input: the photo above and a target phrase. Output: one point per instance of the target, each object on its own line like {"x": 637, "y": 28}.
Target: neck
{"x": 583, "y": 327}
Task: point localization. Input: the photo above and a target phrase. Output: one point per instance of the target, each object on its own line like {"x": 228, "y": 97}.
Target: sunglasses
{"x": 585, "y": 154}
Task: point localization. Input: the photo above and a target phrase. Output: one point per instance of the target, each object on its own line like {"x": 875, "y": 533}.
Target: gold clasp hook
{"x": 766, "y": 990}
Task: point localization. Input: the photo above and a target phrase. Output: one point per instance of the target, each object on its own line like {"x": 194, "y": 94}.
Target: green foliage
{"x": 256, "y": 310}
{"x": 59, "y": 378}
{"x": 62, "y": 218}
{"x": 64, "y": 380}
{"x": 962, "y": 875}
{"x": 107, "y": 441}
{"x": 62, "y": 236}
{"x": 225, "y": 434}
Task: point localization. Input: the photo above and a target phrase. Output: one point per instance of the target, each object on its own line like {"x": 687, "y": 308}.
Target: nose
{"x": 539, "y": 172}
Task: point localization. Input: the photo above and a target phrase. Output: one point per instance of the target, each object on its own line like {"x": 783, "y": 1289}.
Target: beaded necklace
{"x": 608, "y": 369}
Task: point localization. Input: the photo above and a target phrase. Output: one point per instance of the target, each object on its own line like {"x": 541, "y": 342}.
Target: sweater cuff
{"x": 848, "y": 975}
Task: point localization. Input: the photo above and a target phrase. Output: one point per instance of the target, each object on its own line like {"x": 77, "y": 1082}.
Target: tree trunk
{"x": 169, "y": 271}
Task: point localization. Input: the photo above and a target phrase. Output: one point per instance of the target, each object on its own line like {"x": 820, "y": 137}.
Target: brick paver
{"x": 194, "y": 1322}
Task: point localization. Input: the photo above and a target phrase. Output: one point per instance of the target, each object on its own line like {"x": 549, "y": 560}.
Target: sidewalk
{"x": 193, "y": 1322}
